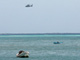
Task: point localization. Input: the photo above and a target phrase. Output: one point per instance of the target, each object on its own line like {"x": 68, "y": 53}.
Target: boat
{"x": 56, "y": 42}
{"x": 23, "y": 54}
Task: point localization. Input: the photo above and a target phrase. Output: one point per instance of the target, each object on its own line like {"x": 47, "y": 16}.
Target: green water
{"x": 41, "y": 47}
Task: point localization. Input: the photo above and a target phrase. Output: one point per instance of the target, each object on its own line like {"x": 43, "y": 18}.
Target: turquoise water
{"x": 41, "y": 47}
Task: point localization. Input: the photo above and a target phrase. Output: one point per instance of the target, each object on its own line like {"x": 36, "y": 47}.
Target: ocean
{"x": 40, "y": 47}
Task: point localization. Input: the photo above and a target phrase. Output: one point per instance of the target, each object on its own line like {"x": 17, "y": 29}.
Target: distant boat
{"x": 28, "y": 5}
{"x": 57, "y": 42}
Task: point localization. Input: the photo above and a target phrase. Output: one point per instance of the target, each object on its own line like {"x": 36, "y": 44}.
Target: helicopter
{"x": 28, "y": 5}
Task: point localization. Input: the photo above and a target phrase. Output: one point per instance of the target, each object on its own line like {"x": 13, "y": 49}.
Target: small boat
{"x": 23, "y": 54}
{"x": 56, "y": 42}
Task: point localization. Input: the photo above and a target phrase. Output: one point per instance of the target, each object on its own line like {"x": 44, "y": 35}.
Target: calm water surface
{"x": 41, "y": 47}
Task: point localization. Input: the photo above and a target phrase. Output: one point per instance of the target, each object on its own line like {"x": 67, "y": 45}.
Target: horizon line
{"x": 37, "y": 33}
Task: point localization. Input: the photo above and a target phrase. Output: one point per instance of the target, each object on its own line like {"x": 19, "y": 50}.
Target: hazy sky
{"x": 46, "y": 16}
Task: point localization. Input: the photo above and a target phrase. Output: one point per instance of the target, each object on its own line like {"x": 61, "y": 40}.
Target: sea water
{"x": 40, "y": 47}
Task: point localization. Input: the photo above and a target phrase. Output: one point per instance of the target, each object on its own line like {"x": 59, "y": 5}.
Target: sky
{"x": 46, "y": 16}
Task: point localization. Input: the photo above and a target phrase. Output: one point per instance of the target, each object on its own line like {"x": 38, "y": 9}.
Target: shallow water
{"x": 41, "y": 47}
